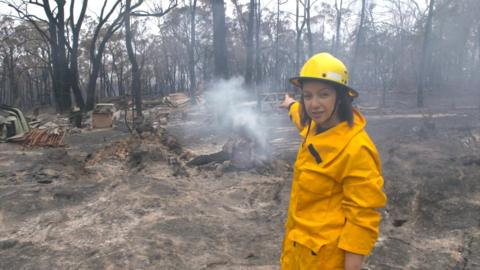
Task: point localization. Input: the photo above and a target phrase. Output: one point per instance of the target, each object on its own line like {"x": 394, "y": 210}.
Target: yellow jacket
{"x": 336, "y": 189}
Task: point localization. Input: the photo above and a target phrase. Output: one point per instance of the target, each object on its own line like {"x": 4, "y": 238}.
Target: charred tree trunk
{"x": 96, "y": 57}
{"x": 358, "y": 42}
{"x": 136, "y": 83}
{"x": 56, "y": 38}
{"x": 11, "y": 77}
{"x": 191, "y": 51}
{"x": 74, "y": 76}
{"x": 110, "y": 83}
{"x": 338, "y": 25}
{"x": 2, "y": 84}
{"x": 58, "y": 51}
{"x": 64, "y": 100}
{"x": 299, "y": 30}
{"x": 249, "y": 44}
{"x": 45, "y": 93}
{"x": 96, "y": 53}
{"x": 277, "y": 55}
{"x": 92, "y": 82}
{"x": 77, "y": 92}
{"x": 309, "y": 29}
{"x": 425, "y": 55}
{"x": 258, "y": 63}
{"x": 219, "y": 42}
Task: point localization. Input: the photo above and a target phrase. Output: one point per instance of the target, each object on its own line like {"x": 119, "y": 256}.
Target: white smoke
{"x": 235, "y": 108}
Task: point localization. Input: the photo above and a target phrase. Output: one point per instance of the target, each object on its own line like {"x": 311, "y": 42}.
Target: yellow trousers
{"x": 298, "y": 257}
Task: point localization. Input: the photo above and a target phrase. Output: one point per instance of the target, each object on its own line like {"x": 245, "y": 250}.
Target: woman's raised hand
{"x": 287, "y": 101}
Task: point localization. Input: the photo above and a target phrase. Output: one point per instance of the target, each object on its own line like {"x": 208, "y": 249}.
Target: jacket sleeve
{"x": 294, "y": 113}
{"x": 362, "y": 189}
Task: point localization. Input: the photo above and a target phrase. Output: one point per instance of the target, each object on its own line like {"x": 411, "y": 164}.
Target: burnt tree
{"x": 136, "y": 69}
{"x": 136, "y": 83}
{"x": 258, "y": 62}
{"x": 57, "y": 39}
{"x": 299, "y": 30}
{"x": 97, "y": 46}
{"x": 338, "y": 24}
{"x": 308, "y": 7}
{"x": 191, "y": 51}
{"x": 358, "y": 42}
{"x": 249, "y": 43}
{"x": 74, "y": 75}
{"x": 219, "y": 36}
{"x": 425, "y": 55}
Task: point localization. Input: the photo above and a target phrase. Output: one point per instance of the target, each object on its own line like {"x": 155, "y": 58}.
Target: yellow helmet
{"x": 325, "y": 67}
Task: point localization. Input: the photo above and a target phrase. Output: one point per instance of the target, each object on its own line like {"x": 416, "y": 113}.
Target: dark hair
{"x": 344, "y": 102}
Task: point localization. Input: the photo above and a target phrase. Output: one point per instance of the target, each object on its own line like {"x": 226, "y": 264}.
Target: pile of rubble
{"x": 51, "y": 131}
{"x": 14, "y": 127}
{"x": 240, "y": 152}
{"x": 138, "y": 151}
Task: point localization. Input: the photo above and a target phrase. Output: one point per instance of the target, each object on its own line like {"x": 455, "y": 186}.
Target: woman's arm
{"x": 293, "y": 108}
{"x": 353, "y": 261}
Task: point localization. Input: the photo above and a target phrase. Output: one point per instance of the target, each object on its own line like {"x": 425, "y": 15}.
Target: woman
{"x": 333, "y": 220}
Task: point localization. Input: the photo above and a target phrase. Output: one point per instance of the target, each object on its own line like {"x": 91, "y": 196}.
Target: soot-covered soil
{"x": 110, "y": 201}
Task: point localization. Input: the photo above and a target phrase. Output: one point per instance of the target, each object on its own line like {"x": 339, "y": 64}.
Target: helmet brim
{"x": 297, "y": 81}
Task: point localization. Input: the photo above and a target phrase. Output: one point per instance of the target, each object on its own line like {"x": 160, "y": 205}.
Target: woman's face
{"x": 319, "y": 99}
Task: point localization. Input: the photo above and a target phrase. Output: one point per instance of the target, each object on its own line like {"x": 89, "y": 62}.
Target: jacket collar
{"x": 331, "y": 142}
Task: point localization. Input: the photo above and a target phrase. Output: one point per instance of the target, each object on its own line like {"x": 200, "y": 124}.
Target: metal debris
{"x": 12, "y": 123}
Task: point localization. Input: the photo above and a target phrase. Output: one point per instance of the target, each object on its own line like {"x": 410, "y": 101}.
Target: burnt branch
{"x": 159, "y": 13}
{"x": 32, "y": 19}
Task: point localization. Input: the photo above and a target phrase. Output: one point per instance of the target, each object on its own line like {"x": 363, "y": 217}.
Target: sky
{"x": 94, "y": 7}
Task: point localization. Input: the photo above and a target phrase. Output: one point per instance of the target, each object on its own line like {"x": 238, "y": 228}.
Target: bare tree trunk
{"x": 136, "y": 83}
{"x": 298, "y": 36}
{"x": 111, "y": 90}
{"x": 276, "y": 76}
{"x": 219, "y": 43}
{"x": 46, "y": 95}
{"x": 77, "y": 92}
{"x": 121, "y": 88}
{"x": 118, "y": 73}
{"x": 338, "y": 25}
{"x": 38, "y": 89}
{"x": 358, "y": 43}
{"x": 64, "y": 83}
{"x": 425, "y": 55}
{"x": 56, "y": 38}
{"x": 102, "y": 79}
{"x": 2, "y": 84}
{"x": 309, "y": 30}
{"x": 258, "y": 63}
{"x": 249, "y": 44}
{"x": 191, "y": 51}
{"x": 96, "y": 52}
{"x": 299, "y": 29}
{"x": 74, "y": 76}
{"x": 11, "y": 77}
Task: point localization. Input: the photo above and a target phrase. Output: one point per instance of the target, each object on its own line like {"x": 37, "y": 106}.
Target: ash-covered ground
{"x": 111, "y": 201}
